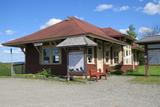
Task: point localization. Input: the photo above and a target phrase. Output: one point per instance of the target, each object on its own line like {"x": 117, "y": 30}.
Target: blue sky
{"x": 22, "y": 17}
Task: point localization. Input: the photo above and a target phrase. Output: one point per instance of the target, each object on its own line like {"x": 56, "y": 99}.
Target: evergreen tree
{"x": 131, "y": 31}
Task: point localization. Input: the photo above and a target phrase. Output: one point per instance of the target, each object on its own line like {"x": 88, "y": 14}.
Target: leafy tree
{"x": 141, "y": 58}
{"x": 131, "y": 31}
{"x": 155, "y": 31}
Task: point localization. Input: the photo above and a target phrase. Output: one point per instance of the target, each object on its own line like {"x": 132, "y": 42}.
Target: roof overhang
{"x": 77, "y": 41}
{"x": 112, "y": 40}
{"x": 149, "y": 40}
{"x": 138, "y": 49}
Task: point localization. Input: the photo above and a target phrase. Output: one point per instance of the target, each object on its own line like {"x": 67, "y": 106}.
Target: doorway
{"x": 100, "y": 56}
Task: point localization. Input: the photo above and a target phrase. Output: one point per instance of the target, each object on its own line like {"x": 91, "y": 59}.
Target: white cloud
{"x": 124, "y": 31}
{"x": 122, "y": 8}
{"x": 9, "y": 32}
{"x": 103, "y": 7}
{"x": 50, "y": 22}
{"x": 152, "y": 8}
{"x": 144, "y": 30}
{"x": 138, "y": 8}
{"x": 79, "y": 17}
{"x": 17, "y": 55}
{"x": 1, "y": 45}
{"x": 156, "y": 1}
{"x": 14, "y": 51}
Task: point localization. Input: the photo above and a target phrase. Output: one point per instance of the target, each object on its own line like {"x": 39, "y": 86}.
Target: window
{"x": 126, "y": 52}
{"x": 107, "y": 56}
{"x": 46, "y": 55}
{"x": 116, "y": 57}
{"x": 56, "y": 55}
{"x": 90, "y": 55}
{"x": 51, "y": 55}
{"x": 130, "y": 52}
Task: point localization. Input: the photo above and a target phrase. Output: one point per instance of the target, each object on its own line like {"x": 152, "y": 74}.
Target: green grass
{"x": 5, "y": 69}
{"x": 153, "y": 71}
{"x": 153, "y": 78}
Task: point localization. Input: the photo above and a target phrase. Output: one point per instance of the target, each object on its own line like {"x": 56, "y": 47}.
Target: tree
{"x": 154, "y": 32}
{"x": 131, "y": 31}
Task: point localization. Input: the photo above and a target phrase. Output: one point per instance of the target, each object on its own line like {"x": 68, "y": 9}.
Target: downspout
{"x": 146, "y": 59}
{"x": 133, "y": 63}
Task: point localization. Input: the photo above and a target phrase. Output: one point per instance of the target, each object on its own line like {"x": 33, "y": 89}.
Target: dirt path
{"x": 114, "y": 92}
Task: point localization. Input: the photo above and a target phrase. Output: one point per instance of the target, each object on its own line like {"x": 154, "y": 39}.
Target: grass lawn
{"x": 5, "y": 69}
{"x": 153, "y": 71}
{"x": 153, "y": 78}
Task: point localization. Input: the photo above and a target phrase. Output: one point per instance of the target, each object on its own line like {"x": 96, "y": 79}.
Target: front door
{"x": 100, "y": 56}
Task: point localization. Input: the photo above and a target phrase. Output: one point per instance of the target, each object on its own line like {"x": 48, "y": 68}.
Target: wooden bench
{"x": 102, "y": 74}
{"x": 94, "y": 73}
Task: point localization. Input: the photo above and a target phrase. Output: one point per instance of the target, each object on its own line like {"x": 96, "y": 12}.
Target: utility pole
{"x": 146, "y": 60}
{"x": 12, "y": 71}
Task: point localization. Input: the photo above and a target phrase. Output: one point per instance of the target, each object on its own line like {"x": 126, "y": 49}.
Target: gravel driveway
{"x": 114, "y": 92}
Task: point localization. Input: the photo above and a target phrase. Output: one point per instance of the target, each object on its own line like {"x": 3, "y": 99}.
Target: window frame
{"x": 117, "y": 53}
{"x": 107, "y": 57}
{"x": 107, "y": 48}
{"x": 60, "y": 55}
{"x": 92, "y": 55}
{"x": 51, "y": 47}
{"x": 42, "y": 55}
{"x": 128, "y": 55}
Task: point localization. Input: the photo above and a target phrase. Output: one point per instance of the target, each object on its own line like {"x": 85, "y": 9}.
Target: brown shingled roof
{"x": 112, "y": 32}
{"x": 69, "y": 27}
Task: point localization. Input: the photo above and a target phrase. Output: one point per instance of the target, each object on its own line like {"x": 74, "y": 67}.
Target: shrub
{"x": 117, "y": 72}
{"x": 46, "y": 73}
